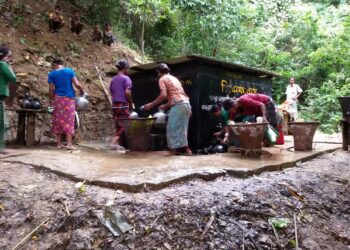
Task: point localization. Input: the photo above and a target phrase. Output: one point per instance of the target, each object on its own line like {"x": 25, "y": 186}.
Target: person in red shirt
{"x": 253, "y": 104}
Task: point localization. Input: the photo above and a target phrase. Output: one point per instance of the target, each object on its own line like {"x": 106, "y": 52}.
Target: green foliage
{"x": 322, "y": 105}
{"x": 306, "y": 39}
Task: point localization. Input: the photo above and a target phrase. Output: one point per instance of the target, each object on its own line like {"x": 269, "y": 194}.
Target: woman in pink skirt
{"x": 61, "y": 91}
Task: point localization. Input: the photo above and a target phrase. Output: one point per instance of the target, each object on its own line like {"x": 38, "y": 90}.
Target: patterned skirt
{"x": 63, "y": 115}
{"x": 120, "y": 110}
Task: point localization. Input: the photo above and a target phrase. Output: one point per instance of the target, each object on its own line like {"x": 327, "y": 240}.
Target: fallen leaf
{"x": 279, "y": 222}
{"x": 295, "y": 194}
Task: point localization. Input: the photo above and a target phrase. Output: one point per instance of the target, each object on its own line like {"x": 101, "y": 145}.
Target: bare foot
{"x": 71, "y": 147}
{"x": 188, "y": 151}
{"x": 60, "y": 146}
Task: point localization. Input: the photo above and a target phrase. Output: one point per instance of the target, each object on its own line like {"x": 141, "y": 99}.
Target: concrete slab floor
{"x": 136, "y": 170}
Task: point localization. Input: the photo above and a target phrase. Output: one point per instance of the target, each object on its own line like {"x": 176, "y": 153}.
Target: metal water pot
{"x": 133, "y": 114}
{"x": 35, "y": 104}
{"x": 161, "y": 117}
{"x": 81, "y": 101}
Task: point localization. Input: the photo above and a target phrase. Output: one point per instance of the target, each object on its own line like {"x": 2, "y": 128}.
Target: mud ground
{"x": 227, "y": 213}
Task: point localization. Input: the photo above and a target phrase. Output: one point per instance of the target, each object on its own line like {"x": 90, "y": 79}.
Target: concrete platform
{"x": 134, "y": 171}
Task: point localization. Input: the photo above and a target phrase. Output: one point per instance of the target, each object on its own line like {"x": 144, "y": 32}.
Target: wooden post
{"x": 21, "y": 128}
{"x": 345, "y": 126}
{"x": 30, "y": 130}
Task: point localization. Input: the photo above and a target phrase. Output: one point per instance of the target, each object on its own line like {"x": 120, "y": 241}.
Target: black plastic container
{"x": 345, "y": 105}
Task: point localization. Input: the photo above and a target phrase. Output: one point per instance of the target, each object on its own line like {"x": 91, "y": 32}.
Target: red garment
{"x": 251, "y": 103}
{"x": 280, "y": 138}
{"x": 121, "y": 110}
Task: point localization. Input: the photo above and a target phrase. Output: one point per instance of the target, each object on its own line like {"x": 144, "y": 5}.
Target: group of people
{"x": 63, "y": 81}
{"x": 246, "y": 108}
{"x": 249, "y": 107}
{"x": 56, "y": 22}
{"x": 170, "y": 90}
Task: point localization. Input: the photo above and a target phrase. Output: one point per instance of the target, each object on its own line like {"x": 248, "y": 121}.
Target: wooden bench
{"x": 26, "y": 124}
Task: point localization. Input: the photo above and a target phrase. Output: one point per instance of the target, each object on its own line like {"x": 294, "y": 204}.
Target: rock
{"x": 82, "y": 239}
{"x": 222, "y": 223}
{"x": 184, "y": 202}
{"x": 310, "y": 244}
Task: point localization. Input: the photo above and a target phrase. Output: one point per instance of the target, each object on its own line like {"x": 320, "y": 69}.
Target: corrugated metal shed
{"x": 204, "y": 60}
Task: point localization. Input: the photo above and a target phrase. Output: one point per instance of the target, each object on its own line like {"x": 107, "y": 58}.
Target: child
{"x": 76, "y": 25}
{"x": 56, "y": 20}
{"x": 108, "y": 36}
{"x": 96, "y": 34}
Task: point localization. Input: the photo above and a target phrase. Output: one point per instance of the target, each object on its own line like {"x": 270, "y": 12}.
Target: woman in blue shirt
{"x": 61, "y": 91}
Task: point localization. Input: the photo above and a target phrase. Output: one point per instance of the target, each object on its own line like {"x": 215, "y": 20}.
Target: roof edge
{"x": 209, "y": 60}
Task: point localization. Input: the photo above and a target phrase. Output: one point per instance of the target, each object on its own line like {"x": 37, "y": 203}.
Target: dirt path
{"x": 227, "y": 213}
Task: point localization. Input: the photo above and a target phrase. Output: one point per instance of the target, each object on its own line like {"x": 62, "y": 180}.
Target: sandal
{"x": 60, "y": 146}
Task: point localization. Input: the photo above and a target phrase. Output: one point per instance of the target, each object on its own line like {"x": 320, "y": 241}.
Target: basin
{"x": 303, "y": 134}
{"x": 137, "y": 132}
{"x": 250, "y": 135}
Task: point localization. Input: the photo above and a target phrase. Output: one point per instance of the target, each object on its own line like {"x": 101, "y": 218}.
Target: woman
{"x": 180, "y": 110}
{"x": 120, "y": 89}
{"x": 61, "y": 81}
{"x": 6, "y": 76}
{"x": 253, "y": 104}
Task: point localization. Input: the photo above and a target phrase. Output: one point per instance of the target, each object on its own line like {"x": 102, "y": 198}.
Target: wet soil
{"x": 227, "y": 213}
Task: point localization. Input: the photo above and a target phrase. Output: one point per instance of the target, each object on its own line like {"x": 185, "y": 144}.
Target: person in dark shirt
{"x": 108, "y": 37}
{"x": 76, "y": 25}
{"x": 224, "y": 116}
{"x": 56, "y": 20}
{"x": 96, "y": 34}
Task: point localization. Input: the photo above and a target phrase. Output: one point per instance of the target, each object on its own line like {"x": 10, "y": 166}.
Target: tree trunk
{"x": 142, "y": 39}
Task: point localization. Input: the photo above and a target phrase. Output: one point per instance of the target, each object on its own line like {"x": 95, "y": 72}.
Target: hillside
{"x": 24, "y": 28}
